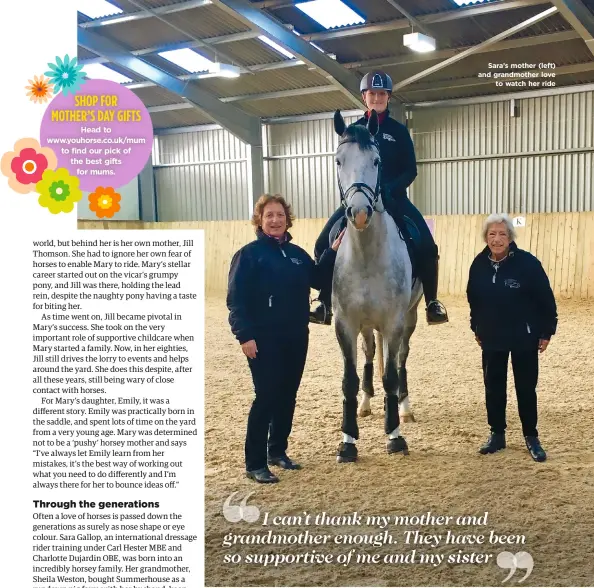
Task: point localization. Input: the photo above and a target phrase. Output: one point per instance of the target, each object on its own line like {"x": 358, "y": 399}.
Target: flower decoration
{"x": 66, "y": 75}
{"x": 24, "y": 166}
{"x": 58, "y": 190}
{"x": 104, "y": 202}
{"x": 40, "y": 90}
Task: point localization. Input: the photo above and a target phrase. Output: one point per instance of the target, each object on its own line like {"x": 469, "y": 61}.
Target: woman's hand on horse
{"x": 250, "y": 348}
{"x": 338, "y": 240}
{"x": 543, "y": 344}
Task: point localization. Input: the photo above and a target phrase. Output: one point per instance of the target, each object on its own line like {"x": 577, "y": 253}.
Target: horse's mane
{"x": 358, "y": 134}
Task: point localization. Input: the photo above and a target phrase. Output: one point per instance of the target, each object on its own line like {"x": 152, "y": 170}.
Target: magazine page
{"x": 298, "y": 293}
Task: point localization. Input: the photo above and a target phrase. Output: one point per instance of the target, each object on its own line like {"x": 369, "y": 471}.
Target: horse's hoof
{"x": 365, "y": 412}
{"x": 397, "y": 445}
{"x": 347, "y": 453}
{"x": 408, "y": 418}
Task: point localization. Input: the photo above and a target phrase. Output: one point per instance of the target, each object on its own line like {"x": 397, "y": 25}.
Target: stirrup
{"x": 322, "y": 315}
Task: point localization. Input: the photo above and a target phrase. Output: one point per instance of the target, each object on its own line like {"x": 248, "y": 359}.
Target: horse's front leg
{"x": 347, "y": 338}
{"x": 368, "y": 392}
{"x": 396, "y": 443}
{"x": 410, "y": 324}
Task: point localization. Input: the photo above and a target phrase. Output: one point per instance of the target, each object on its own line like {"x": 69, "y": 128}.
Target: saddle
{"x": 408, "y": 231}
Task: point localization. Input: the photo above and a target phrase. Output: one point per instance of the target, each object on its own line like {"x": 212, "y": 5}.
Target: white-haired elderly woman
{"x": 512, "y": 311}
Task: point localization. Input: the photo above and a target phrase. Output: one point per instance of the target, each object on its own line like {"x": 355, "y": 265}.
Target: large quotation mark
{"x": 512, "y": 561}
{"x": 236, "y": 513}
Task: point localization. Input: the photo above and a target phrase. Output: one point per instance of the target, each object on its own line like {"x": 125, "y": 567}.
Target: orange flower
{"x": 40, "y": 90}
{"x": 104, "y": 202}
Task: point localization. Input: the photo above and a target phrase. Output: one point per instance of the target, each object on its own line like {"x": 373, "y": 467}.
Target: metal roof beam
{"x": 244, "y": 126}
{"x": 246, "y": 97}
{"x": 248, "y": 70}
{"x": 142, "y": 14}
{"x": 447, "y": 53}
{"x": 477, "y": 48}
{"x": 273, "y": 4}
{"x": 345, "y": 81}
{"x": 411, "y": 19}
{"x": 580, "y": 18}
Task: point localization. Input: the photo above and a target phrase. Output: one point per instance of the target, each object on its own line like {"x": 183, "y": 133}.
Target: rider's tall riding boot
{"x": 435, "y": 310}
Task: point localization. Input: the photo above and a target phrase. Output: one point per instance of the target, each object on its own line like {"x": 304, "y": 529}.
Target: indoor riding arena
{"x": 442, "y": 515}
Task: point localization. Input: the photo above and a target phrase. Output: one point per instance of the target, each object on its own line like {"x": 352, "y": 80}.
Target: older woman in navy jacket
{"x": 268, "y": 300}
{"x": 512, "y": 310}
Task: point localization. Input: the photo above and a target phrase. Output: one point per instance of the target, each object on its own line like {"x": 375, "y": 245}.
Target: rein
{"x": 369, "y": 193}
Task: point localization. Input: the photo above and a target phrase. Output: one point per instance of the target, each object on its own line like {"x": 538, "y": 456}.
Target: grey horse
{"x": 373, "y": 289}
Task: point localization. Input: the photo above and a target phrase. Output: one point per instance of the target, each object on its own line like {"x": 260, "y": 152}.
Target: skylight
{"x": 187, "y": 59}
{"x": 466, "y": 2}
{"x": 330, "y": 13}
{"x": 96, "y": 71}
{"x": 276, "y": 47}
{"x": 97, "y": 8}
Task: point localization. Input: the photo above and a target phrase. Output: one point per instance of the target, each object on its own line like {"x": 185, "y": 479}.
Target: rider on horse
{"x": 399, "y": 169}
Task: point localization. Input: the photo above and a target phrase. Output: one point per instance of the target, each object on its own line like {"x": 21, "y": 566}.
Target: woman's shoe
{"x": 535, "y": 448}
{"x": 495, "y": 443}
{"x": 262, "y": 476}
{"x": 284, "y": 461}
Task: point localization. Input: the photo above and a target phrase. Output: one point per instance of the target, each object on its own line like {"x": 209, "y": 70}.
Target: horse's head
{"x": 358, "y": 163}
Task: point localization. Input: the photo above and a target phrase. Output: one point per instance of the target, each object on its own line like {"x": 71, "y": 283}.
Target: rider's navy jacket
{"x": 512, "y": 305}
{"x": 399, "y": 165}
{"x": 269, "y": 283}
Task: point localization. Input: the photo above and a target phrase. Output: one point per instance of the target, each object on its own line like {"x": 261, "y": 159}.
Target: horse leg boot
{"x": 347, "y": 339}
{"x": 396, "y": 443}
{"x": 429, "y": 270}
{"x": 410, "y": 323}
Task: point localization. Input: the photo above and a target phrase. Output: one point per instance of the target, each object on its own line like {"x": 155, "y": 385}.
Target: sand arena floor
{"x": 551, "y": 504}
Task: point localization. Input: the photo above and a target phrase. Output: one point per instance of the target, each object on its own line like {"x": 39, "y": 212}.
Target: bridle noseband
{"x": 369, "y": 193}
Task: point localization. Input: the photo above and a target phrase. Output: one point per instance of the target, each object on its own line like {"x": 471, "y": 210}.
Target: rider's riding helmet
{"x": 376, "y": 80}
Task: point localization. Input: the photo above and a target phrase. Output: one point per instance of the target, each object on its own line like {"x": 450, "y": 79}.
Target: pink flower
{"x": 25, "y": 165}
{"x": 29, "y": 166}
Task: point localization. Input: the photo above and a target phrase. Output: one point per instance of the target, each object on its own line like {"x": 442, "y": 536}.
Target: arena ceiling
{"x": 324, "y": 76}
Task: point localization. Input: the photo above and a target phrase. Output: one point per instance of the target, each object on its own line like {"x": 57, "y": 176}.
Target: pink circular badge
{"x": 103, "y": 134}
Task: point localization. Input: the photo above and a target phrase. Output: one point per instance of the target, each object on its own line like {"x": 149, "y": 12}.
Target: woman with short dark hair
{"x": 512, "y": 311}
{"x": 268, "y": 301}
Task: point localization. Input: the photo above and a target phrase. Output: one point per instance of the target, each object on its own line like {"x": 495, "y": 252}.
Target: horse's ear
{"x": 339, "y": 124}
{"x": 373, "y": 123}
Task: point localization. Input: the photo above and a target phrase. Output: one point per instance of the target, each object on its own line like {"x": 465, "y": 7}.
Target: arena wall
{"x": 564, "y": 243}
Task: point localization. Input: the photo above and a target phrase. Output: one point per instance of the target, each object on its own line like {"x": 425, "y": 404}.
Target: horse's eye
{"x": 376, "y": 162}
{"x": 338, "y": 163}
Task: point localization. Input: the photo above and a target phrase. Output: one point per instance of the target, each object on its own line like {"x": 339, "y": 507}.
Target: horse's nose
{"x": 361, "y": 217}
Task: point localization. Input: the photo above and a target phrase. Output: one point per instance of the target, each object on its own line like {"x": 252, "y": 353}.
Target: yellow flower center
{"x": 105, "y": 202}
{"x": 59, "y": 191}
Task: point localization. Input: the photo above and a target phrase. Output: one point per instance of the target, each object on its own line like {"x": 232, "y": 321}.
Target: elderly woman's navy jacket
{"x": 269, "y": 284}
{"x": 512, "y": 305}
